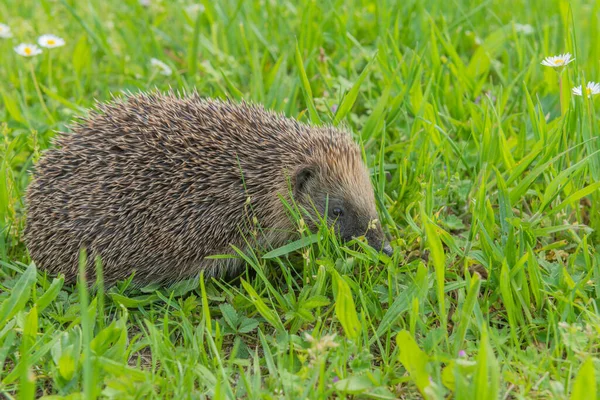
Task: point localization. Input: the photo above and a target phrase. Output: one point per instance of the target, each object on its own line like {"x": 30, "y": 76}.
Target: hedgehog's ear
{"x": 303, "y": 175}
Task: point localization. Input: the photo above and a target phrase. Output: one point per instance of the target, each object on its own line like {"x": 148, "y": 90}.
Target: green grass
{"x": 487, "y": 175}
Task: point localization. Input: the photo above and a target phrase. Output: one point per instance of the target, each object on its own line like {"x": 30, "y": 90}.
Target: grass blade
{"x": 306, "y": 89}
{"x": 345, "y": 310}
{"x": 350, "y": 97}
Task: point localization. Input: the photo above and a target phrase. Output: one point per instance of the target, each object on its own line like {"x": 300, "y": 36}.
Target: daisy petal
{"x": 50, "y": 41}
{"x": 5, "y": 32}
{"x": 28, "y": 50}
{"x": 161, "y": 66}
{"x": 558, "y": 61}
{"x": 591, "y": 89}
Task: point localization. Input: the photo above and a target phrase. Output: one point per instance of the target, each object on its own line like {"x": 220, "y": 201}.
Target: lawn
{"x": 485, "y": 164}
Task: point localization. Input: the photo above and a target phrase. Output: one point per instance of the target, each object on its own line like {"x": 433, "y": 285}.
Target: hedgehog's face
{"x": 346, "y": 200}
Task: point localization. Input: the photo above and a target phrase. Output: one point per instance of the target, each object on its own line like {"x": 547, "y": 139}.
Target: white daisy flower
{"x": 5, "y": 32}
{"x": 558, "y": 61}
{"x": 525, "y": 29}
{"x": 591, "y": 89}
{"x": 164, "y": 68}
{"x": 50, "y": 41}
{"x": 28, "y": 50}
{"x": 194, "y": 9}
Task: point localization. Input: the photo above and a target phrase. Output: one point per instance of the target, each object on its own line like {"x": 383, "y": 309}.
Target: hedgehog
{"x": 154, "y": 183}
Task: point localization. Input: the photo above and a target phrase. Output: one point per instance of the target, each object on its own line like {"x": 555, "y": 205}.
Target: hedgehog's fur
{"x": 154, "y": 183}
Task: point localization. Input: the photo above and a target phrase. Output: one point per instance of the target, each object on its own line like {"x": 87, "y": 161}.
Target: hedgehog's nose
{"x": 387, "y": 250}
{"x": 376, "y": 240}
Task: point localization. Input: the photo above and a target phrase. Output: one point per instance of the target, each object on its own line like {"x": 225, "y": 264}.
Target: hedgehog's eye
{"x": 337, "y": 212}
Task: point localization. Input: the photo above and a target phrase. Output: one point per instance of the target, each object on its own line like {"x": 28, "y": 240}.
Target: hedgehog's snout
{"x": 376, "y": 239}
{"x": 381, "y": 245}
{"x": 387, "y": 249}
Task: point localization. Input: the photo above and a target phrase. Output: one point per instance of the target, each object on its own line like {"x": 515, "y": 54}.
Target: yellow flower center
{"x": 588, "y": 91}
{"x": 27, "y": 50}
{"x": 559, "y": 61}
{"x": 51, "y": 42}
